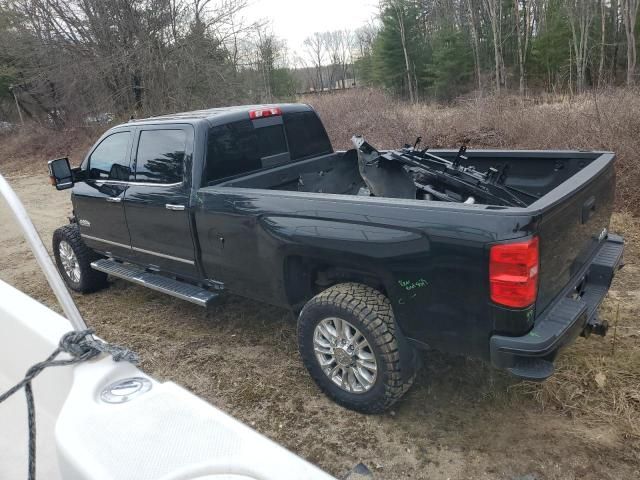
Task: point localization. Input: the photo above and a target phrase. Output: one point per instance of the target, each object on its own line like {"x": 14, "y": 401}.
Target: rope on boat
{"x": 82, "y": 346}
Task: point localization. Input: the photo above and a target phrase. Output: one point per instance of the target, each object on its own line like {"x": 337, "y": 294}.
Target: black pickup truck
{"x": 501, "y": 255}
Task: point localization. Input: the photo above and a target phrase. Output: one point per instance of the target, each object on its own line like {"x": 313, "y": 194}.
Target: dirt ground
{"x": 462, "y": 420}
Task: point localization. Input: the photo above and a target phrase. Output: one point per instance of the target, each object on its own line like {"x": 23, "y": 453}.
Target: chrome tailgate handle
{"x": 114, "y": 199}
{"x": 170, "y": 206}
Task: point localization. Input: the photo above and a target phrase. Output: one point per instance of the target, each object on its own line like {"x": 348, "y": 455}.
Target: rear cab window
{"x": 246, "y": 146}
{"x": 306, "y": 134}
{"x": 232, "y": 149}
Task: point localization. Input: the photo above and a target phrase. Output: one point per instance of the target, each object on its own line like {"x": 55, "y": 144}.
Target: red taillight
{"x": 264, "y": 112}
{"x": 513, "y": 273}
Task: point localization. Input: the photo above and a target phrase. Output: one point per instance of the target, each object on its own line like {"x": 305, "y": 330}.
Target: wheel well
{"x": 306, "y": 277}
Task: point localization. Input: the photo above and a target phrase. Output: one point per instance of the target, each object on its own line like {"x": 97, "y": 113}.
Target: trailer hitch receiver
{"x": 595, "y": 326}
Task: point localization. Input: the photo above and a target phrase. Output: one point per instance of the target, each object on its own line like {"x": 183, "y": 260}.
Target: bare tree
{"x": 82, "y": 57}
{"x": 523, "y": 16}
{"x": 314, "y": 46}
{"x": 494, "y": 9}
{"x": 330, "y": 43}
{"x": 364, "y": 38}
{"x": 399, "y": 9}
{"x": 580, "y": 17}
{"x": 615, "y": 37}
{"x": 345, "y": 55}
{"x": 603, "y": 40}
{"x": 265, "y": 49}
{"x": 629, "y": 15}
{"x": 338, "y": 45}
{"x": 305, "y": 72}
{"x": 476, "y": 42}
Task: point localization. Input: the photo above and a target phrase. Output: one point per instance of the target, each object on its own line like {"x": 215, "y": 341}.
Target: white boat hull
{"x": 166, "y": 433}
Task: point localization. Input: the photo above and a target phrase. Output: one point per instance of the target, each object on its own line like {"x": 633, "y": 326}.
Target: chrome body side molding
{"x": 141, "y": 250}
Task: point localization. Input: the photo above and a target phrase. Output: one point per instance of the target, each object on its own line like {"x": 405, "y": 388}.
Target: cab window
{"x": 306, "y": 134}
{"x": 160, "y": 156}
{"x": 239, "y": 147}
{"x": 109, "y": 160}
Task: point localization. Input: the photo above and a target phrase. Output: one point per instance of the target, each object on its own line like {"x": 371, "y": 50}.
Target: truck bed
{"x": 533, "y": 172}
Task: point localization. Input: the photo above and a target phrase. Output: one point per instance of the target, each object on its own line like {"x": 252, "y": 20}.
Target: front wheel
{"x": 73, "y": 259}
{"x": 347, "y": 340}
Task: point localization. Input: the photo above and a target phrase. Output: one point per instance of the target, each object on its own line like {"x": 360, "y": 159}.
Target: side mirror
{"x": 60, "y": 173}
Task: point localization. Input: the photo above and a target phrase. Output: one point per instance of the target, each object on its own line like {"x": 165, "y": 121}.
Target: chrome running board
{"x": 133, "y": 273}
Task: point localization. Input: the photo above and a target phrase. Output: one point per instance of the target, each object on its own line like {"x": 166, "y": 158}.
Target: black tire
{"x": 370, "y": 312}
{"x": 90, "y": 280}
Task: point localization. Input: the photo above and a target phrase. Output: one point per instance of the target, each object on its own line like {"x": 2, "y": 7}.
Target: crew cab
{"x": 501, "y": 255}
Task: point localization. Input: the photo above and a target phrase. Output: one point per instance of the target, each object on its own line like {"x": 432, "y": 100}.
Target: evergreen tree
{"x": 450, "y": 72}
{"x": 551, "y": 54}
{"x": 393, "y": 69}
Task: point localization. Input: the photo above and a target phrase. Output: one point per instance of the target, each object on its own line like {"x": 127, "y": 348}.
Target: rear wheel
{"x": 347, "y": 340}
{"x": 73, "y": 259}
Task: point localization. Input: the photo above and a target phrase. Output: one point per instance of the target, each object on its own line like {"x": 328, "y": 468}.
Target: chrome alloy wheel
{"x": 69, "y": 261}
{"x": 344, "y": 355}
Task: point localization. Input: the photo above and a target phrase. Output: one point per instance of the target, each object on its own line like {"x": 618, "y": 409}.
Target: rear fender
{"x": 385, "y": 258}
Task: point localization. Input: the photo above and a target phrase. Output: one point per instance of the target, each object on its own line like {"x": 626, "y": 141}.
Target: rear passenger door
{"x": 230, "y": 235}
{"x": 157, "y": 200}
{"x": 229, "y": 243}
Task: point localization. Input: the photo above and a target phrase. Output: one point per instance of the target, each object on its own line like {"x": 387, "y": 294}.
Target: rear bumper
{"x": 531, "y": 356}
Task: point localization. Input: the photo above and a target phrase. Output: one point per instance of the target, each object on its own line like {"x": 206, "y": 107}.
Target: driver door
{"x": 98, "y": 201}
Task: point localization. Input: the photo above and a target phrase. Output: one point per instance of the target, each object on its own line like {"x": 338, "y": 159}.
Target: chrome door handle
{"x": 170, "y": 206}
{"x": 114, "y": 199}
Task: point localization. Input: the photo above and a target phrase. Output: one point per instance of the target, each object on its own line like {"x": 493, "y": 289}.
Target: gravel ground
{"x": 462, "y": 420}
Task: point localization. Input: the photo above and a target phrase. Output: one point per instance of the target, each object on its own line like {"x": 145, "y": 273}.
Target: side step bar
{"x": 133, "y": 273}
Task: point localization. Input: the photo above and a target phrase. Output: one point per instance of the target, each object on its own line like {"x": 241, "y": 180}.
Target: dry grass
{"x": 25, "y": 147}
{"x": 606, "y": 121}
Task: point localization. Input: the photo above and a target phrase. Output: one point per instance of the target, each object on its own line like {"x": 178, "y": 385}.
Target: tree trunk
{"x": 403, "y": 40}
{"x": 516, "y": 5}
{"x": 15, "y": 97}
{"x": 476, "y": 44}
{"x": 137, "y": 91}
{"x": 603, "y": 40}
{"x": 496, "y": 54}
{"x": 629, "y": 14}
{"x": 503, "y": 66}
{"x": 491, "y": 7}
{"x": 580, "y": 17}
{"x": 570, "y": 71}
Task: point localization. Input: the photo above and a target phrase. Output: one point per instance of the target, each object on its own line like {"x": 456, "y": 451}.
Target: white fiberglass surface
{"x": 166, "y": 433}
{"x": 30, "y": 332}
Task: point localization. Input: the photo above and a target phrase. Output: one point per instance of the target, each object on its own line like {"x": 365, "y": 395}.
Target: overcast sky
{"x": 295, "y": 20}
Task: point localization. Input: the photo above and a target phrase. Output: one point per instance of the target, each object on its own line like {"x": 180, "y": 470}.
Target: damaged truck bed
{"x": 495, "y": 178}
{"x": 502, "y": 255}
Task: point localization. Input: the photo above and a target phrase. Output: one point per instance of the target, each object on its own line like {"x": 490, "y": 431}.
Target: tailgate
{"x": 574, "y": 221}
